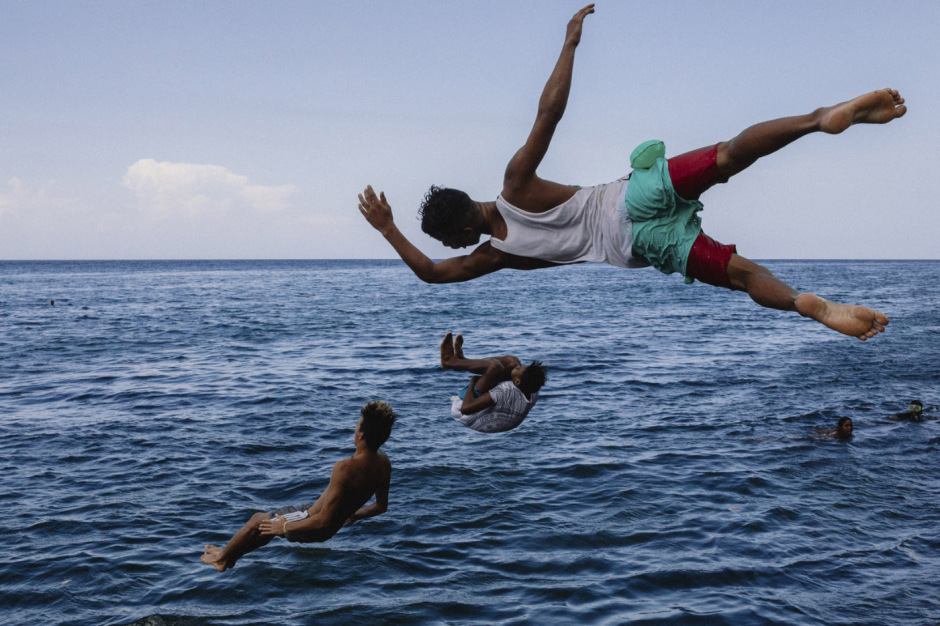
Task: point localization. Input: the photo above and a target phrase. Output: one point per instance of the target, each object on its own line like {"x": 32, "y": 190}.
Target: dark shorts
{"x": 692, "y": 174}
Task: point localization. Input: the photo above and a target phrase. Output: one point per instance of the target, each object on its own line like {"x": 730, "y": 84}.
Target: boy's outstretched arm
{"x": 521, "y": 169}
{"x": 483, "y": 260}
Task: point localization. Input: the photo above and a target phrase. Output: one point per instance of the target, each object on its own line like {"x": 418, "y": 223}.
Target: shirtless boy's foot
{"x": 458, "y": 346}
{"x": 877, "y": 107}
{"x": 447, "y": 350}
{"x": 213, "y": 557}
{"x": 848, "y": 319}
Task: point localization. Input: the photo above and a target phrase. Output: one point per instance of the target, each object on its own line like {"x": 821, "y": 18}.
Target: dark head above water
{"x": 844, "y": 428}
{"x": 914, "y": 412}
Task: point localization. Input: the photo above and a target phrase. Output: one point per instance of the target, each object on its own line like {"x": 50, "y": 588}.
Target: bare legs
{"x": 768, "y": 291}
{"x": 492, "y": 370}
{"x": 877, "y": 107}
{"x": 244, "y": 541}
{"x": 452, "y": 357}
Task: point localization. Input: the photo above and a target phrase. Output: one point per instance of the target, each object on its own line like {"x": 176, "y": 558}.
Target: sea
{"x": 672, "y": 471}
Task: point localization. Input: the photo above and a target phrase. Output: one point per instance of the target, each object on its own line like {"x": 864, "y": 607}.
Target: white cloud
{"x": 164, "y": 189}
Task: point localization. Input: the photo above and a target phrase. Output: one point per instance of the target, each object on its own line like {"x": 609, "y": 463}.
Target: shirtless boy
{"x": 647, "y": 218}
{"x": 502, "y": 393}
{"x": 353, "y": 482}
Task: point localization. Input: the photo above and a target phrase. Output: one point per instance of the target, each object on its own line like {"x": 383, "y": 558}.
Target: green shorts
{"x": 665, "y": 225}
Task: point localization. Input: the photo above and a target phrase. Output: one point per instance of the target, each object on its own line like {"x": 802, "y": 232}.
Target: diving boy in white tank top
{"x": 650, "y": 219}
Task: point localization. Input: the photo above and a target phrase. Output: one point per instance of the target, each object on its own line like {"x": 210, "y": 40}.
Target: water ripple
{"x": 671, "y": 472}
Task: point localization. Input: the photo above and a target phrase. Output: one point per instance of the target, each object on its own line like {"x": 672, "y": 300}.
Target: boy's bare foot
{"x": 848, "y": 319}
{"x": 877, "y": 107}
{"x": 458, "y": 346}
{"x": 447, "y": 350}
{"x": 213, "y": 557}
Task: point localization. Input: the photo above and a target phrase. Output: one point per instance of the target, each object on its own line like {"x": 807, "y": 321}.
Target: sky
{"x": 246, "y": 130}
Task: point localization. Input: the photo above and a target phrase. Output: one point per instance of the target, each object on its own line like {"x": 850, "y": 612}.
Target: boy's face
{"x": 846, "y": 429}
{"x": 462, "y": 239}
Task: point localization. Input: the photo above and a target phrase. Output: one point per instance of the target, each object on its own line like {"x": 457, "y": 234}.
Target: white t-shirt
{"x": 593, "y": 225}
{"x": 510, "y": 409}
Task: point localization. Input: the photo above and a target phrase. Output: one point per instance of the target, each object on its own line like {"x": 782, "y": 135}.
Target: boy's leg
{"x": 450, "y": 360}
{"x": 694, "y": 172}
{"x": 248, "y": 538}
{"x": 767, "y": 290}
{"x": 876, "y": 107}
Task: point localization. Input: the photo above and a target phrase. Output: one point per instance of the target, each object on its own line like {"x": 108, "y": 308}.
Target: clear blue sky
{"x": 246, "y": 129}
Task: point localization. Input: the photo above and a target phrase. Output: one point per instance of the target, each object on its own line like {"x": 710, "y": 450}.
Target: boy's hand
{"x": 376, "y": 210}
{"x": 273, "y": 526}
{"x": 574, "y": 26}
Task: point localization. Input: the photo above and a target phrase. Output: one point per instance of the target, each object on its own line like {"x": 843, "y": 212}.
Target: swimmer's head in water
{"x": 529, "y": 378}
{"x": 915, "y": 406}
{"x": 845, "y": 427}
{"x": 450, "y": 216}
{"x": 376, "y": 423}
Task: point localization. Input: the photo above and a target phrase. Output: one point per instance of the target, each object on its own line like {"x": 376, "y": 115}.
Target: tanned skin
{"x": 352, "y": 483}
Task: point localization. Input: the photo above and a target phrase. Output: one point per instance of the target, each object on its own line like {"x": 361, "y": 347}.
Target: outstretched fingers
{"x": 375, "y": 209}
{"x": 583, "y": 13}
{"x": 573, "y": 35}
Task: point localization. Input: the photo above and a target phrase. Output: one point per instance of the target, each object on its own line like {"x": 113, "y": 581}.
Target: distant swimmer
{"x": 648, "y": 217}
{"x": 353, "y": 482}
{"x": 914, "y": 413}
{"x": 843, "y": 430}
{"x": 500, "y": 396}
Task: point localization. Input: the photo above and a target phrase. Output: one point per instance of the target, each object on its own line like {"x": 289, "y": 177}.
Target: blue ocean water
{"x": 669, "y": 474}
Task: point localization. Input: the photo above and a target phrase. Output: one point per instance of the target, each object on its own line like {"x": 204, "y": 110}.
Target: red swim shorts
{"x": 708, "y": 261}
{"x": 692, "y": 174}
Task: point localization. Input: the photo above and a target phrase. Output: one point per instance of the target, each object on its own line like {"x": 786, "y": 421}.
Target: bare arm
{"x": 520, "y": 173}
{"x": 498, "y": 370}
{"x": 376, "y": 508}
{"x": 483, "y": 260}
{"x": 472, "y": 405}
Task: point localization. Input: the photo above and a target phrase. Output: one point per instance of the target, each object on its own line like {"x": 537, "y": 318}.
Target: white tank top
{"x": 592, "y": 225}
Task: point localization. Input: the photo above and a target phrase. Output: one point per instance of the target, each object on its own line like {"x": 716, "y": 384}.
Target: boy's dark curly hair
{"x": 444, "y": 211}
{"x": 532, "y": 378}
